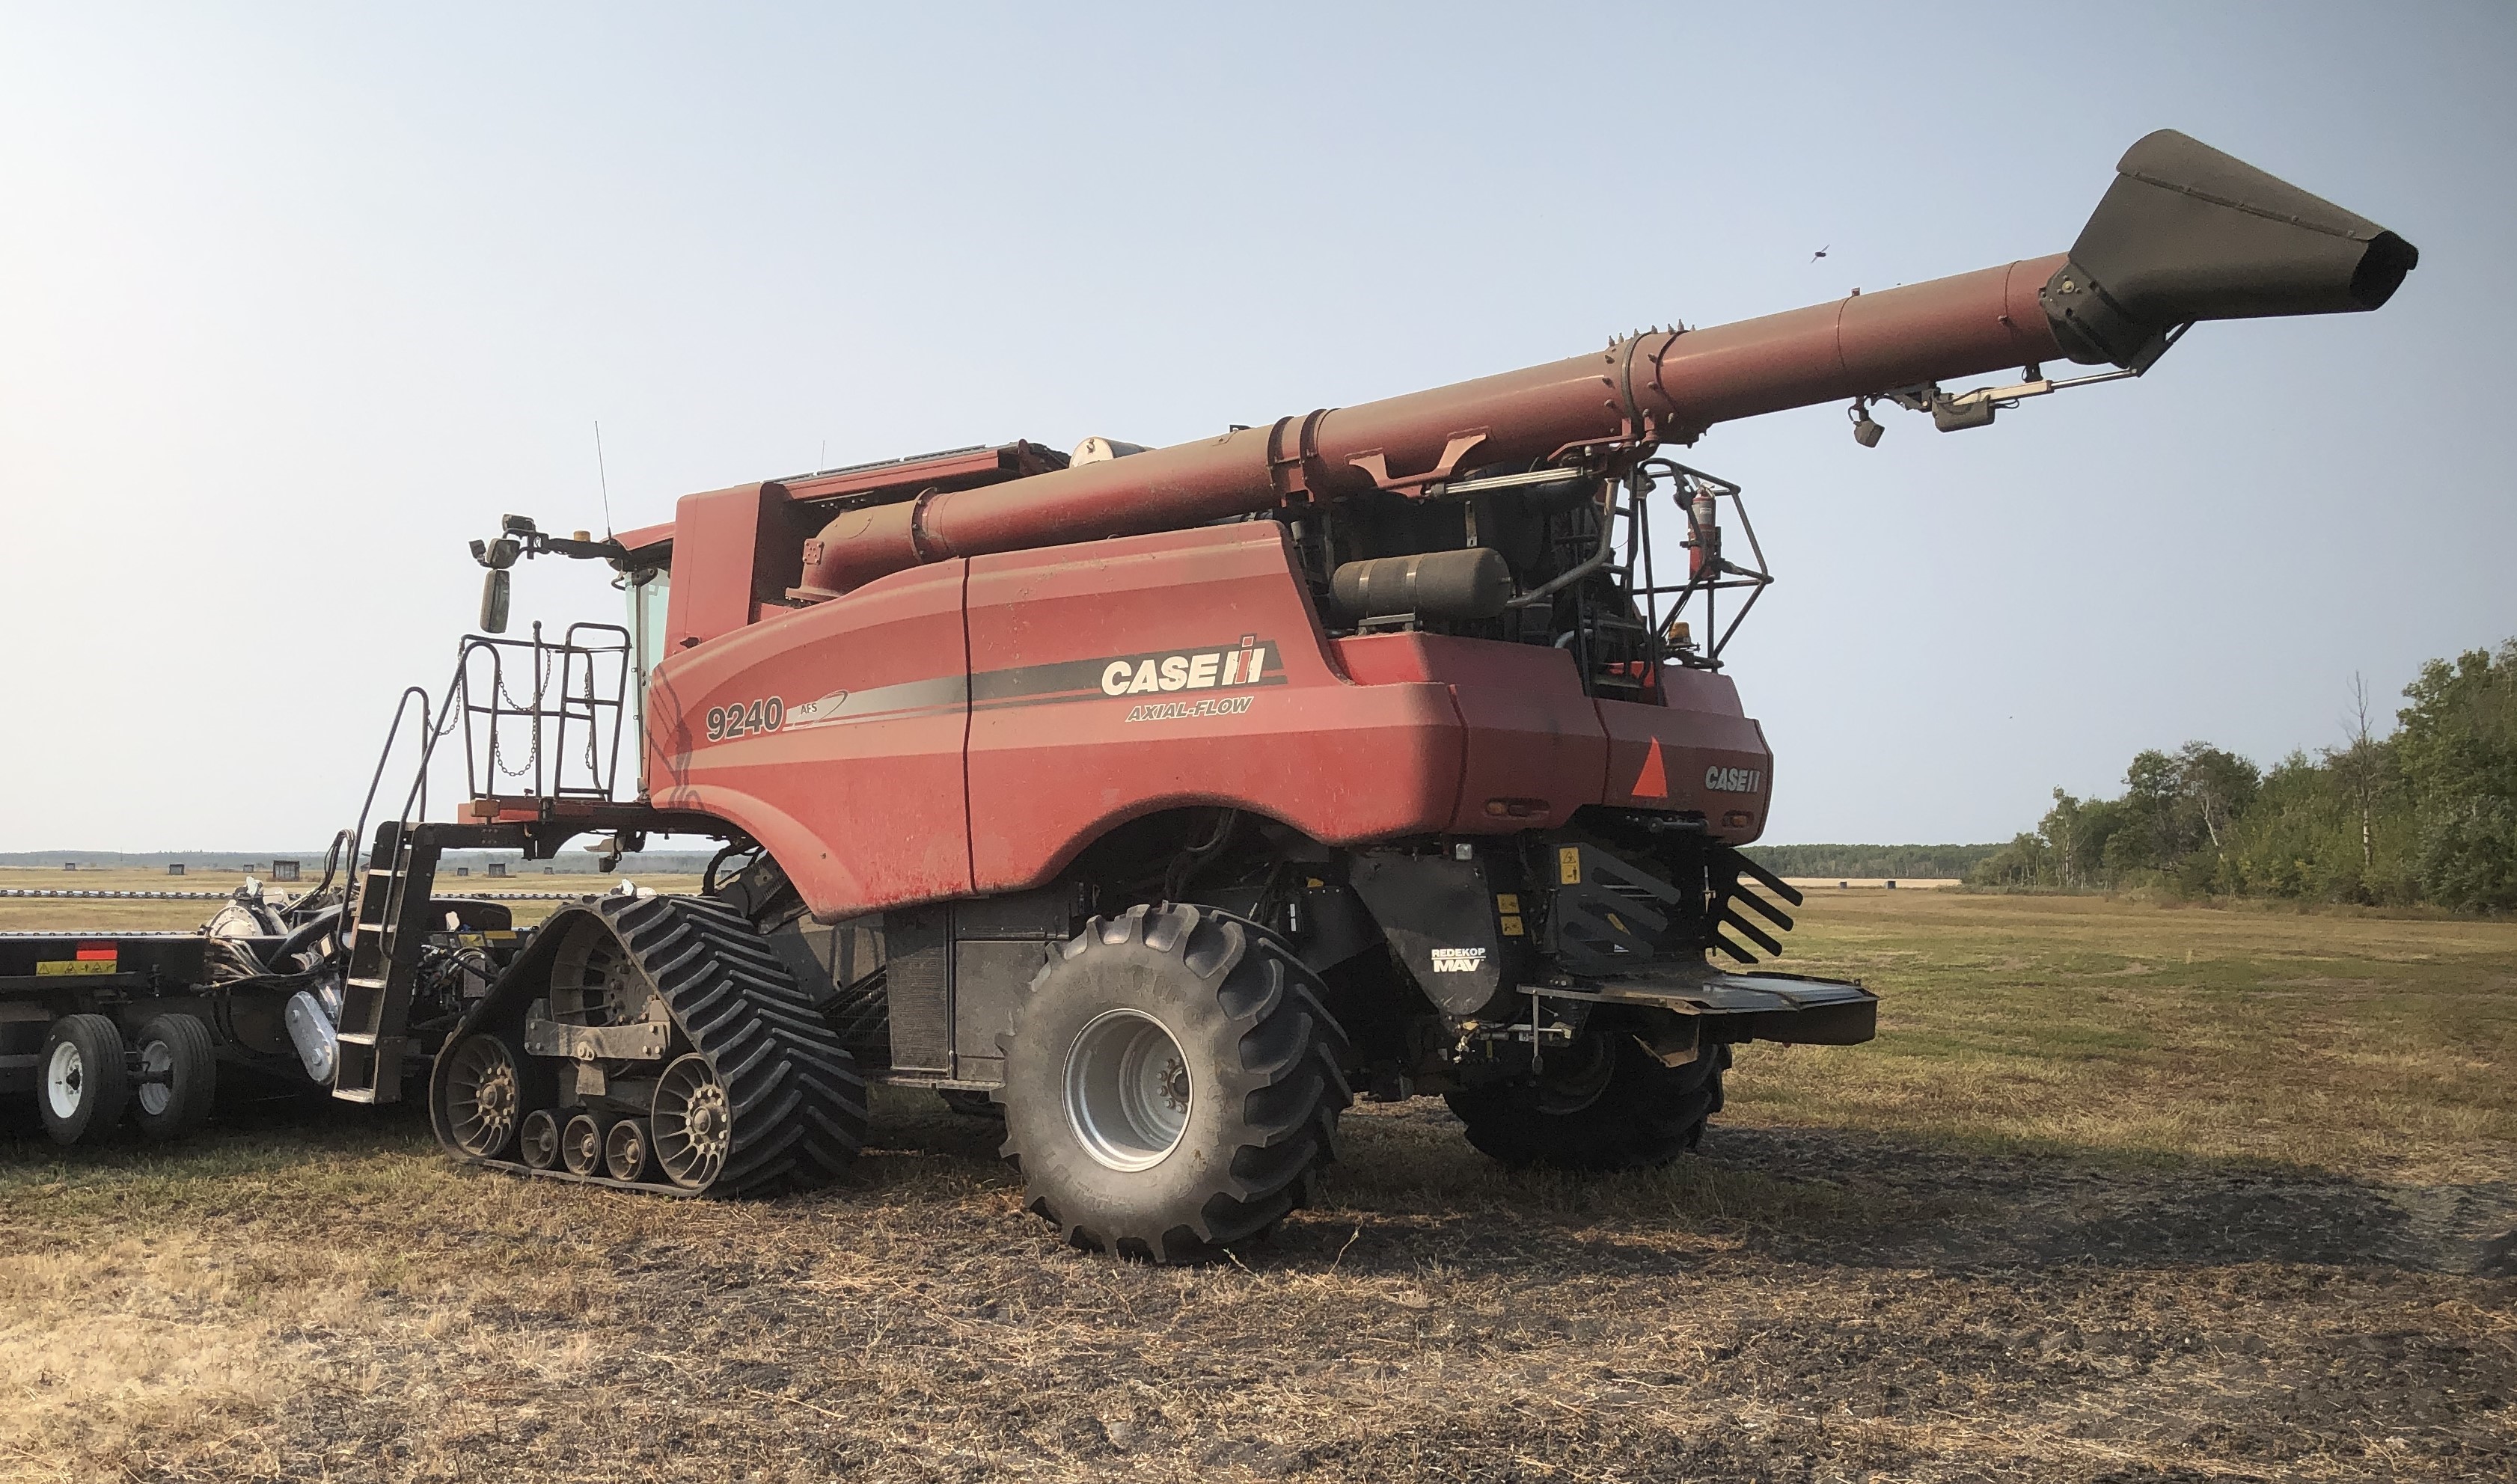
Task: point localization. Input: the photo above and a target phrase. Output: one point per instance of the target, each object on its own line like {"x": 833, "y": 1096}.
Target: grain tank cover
{"x": 2186, "y": 233}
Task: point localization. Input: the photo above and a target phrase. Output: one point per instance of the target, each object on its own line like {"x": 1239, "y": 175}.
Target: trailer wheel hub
{"x": 157, "y": 1088}
{"x": 1128, "y": 1093}
{"x": 66, "y": 1079}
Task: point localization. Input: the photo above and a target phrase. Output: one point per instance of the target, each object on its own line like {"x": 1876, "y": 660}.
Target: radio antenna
{"x": 603, "y": 477}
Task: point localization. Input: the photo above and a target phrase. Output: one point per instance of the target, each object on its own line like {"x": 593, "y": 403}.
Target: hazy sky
{"x": 296, "y": 300}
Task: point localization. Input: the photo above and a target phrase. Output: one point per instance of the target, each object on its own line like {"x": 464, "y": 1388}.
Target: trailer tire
{"x": 179, "y": 1076}
{"x": 1172, "y": 1085}
{"x": 1645, "y": 1116}
{"x": 81, "y": 1084}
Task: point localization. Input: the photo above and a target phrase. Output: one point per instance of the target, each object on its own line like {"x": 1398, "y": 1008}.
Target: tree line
{"x": 2424, "y": 815}
{"x": 1894, "y": 862}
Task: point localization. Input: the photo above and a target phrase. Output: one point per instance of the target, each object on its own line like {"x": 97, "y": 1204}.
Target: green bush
{"x": 2428, "y": 815}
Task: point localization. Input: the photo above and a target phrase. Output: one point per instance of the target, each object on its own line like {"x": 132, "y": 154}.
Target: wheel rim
{"x": 482, "y": 1096}
{"x": 1577, "y": 1077}
{"x": 65, "y": 1080}
{"x": 158, "y": 1077}
{"x": 1128, "y": 1093}
{"x": 692, "y": 1123}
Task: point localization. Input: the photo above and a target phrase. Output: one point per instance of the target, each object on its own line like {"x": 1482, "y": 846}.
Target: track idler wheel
{"x": 694, "y": 1126}
{"x": 484, "y": 1100}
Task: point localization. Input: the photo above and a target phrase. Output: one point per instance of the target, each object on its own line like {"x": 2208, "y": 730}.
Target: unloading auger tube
{"x": 2185, "y": 234}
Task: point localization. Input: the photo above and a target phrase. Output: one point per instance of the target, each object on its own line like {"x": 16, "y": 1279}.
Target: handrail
{"x": 579, "y": 683}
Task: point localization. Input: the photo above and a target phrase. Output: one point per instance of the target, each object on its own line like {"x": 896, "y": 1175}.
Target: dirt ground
{"x": 2122, "y": 1193}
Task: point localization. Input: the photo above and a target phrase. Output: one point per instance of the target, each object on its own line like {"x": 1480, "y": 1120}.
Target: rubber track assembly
{"x": 796, "y": 1100}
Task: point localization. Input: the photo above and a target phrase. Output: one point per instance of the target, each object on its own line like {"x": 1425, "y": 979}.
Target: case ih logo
{"x": 1733, "y": 779}
{"x": 1193, "y": 670}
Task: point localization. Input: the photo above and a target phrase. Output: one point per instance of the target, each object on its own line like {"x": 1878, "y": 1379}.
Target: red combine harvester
{"x": 1169, "y": 798}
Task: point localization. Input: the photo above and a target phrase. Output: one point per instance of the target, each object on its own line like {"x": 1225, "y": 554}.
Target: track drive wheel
{"x": 1172, "y": 1085}
{"x": 1616, "y": 1108}
{"x": 179, "y": 1069}
{"x": 80, "y": 1083}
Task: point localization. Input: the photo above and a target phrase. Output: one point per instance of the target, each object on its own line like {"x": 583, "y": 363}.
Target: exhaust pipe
{"x": 2187, "y": 233}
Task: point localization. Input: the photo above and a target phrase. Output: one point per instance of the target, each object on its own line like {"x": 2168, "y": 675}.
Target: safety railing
{"x": 544, "y": 720}
{"x": 1667, "y": 607}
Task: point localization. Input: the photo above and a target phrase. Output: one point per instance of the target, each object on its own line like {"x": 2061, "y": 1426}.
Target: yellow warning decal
{"x": 58, "y": 967}
{"x": 1568, "y": 865}
{"x": 1511, "y": 928}
{"x": 1507, "y": 903}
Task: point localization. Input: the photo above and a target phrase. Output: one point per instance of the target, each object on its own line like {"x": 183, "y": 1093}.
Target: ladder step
{"x": 355, "y": 1094}
{"x": 365, "y": 982}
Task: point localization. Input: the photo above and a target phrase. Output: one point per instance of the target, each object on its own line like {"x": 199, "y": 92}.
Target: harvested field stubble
{"x": 2086, "y": 1211}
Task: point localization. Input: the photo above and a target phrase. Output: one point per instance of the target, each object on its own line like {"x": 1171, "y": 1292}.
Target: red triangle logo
{"x": 1653, "y": 781}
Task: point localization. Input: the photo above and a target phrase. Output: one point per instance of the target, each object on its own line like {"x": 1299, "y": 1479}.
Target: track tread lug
{"x": 798, "y": 1101}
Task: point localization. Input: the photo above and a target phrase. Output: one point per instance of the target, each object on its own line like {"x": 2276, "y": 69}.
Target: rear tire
{"x": 81, "y": 1084}
{"x": 1645, "y": 1115}
{"x": 1172, "y": 1085}
{"x": 179, "y": 1072}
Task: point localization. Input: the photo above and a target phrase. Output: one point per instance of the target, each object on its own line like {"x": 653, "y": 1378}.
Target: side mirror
{"x": 494, "y": 601}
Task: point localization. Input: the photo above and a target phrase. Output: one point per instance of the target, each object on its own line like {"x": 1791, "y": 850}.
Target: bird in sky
{"x": 1820, "y": 253}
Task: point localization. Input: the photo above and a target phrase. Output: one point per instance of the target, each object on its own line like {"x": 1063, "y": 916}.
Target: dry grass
{"x": 2037, "y": 1230}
